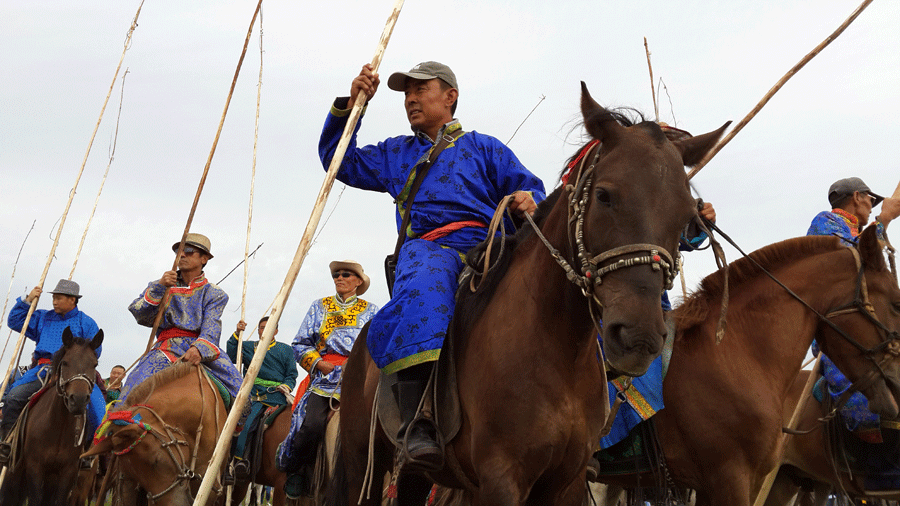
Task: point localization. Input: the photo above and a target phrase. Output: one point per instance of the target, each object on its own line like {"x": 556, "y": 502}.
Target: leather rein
{"x": 890, "y": 339}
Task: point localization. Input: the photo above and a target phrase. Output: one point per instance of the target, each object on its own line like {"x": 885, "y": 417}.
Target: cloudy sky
{"x": 836, "y": 118}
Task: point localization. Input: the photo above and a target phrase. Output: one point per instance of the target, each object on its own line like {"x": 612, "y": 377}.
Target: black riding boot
{"x": 421, "y": 441}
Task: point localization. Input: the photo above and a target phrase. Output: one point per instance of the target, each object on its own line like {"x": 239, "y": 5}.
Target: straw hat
{"x": 196, "y": 240}
{"x": 354, "y": 267}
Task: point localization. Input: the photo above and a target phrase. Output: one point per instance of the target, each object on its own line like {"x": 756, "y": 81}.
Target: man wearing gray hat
{"x": 45, "y": 328}
{"x": 852, "y": 202}
{"x": 192, "y": 323}
{"x": 456, "y": 179}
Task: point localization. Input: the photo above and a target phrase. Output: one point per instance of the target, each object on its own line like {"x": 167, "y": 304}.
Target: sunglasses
{"x": 190, "y": 250}
{"x": 342, "y": 274}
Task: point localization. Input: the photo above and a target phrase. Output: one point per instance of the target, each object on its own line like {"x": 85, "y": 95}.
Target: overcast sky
{"x": 838, "y": 117}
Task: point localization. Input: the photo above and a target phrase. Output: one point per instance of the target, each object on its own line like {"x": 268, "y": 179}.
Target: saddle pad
{"x": 635, "y": 454}
{"x": 226, "y": 396}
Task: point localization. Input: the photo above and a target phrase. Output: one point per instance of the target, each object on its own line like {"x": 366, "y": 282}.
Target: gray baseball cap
{"x": 843, "y": 188}
{"x": 66, "y": 287}
{"x": 424, "y": 71}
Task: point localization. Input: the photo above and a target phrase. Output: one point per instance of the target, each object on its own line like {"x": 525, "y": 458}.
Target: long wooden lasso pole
{"x": 164, "y": 303}
{"x": 112, "y": 155}
{"x": 62, "y": 222}
{"x": 240, "y": 337}
{"x": 9, "y": 290}
{"x": 268, "y": 336}
{"x": 763, "y": 493}
{"x": 796, "y": 68}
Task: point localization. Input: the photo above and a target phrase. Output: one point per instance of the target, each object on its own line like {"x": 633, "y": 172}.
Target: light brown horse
{"x": 167, "y": 451}
{"x": 54, "y": 434}
{"x": 532, "y": 390}
{"x": 720, "y": 430}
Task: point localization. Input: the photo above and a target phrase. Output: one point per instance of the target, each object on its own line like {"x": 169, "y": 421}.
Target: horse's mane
{"x": 695, "y": 308}
{"x": 142, "y": 391}
{"x": 469, "y": 305}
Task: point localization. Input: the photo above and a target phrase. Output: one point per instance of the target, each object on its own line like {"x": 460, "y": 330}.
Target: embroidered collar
{"x": 851, "y": 220}
{"x": 344, "y": 304}
{"x": 448, "y": 127}
{"x": 200, "y": 280}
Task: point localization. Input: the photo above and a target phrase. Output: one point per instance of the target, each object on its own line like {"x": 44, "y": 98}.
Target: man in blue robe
{"x": 45, "y": 328}
{"x": 452, "y": 208}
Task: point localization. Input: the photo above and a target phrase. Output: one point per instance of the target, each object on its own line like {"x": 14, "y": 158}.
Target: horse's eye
{"x": 603, "y": 197}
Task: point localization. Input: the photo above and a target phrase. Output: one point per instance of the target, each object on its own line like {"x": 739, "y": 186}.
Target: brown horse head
{"x": 75, "y": 366}
{"x": 638, "y": 203}
{"x": 867, "y": 347}
{"x": 162, "y": 443}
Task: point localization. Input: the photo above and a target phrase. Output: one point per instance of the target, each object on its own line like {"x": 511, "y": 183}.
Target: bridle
{"x": 861, "y": 303}
{"x": 67, "y": 400}
{"x": 185, "y": 469}
{"x": 590, "y": 275}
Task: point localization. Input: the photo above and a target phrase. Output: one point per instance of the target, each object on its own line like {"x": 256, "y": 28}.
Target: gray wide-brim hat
{"x": 196, "y": 240}
{"x": 350, "y": 265}
{"x": 843, "y": 188}
{"x": 425, "y": 71}
{"x": 66, "y": 287}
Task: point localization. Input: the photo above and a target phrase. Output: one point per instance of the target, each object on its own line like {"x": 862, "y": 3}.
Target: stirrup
{"x": 408, "y": 463}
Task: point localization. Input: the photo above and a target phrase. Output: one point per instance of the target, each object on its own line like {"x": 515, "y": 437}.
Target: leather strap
{"x": 442, "y": 143}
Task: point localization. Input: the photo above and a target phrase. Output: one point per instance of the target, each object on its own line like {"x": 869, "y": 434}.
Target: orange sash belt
{"x": 333, "y": 359}
{"x": 450, "y": 228}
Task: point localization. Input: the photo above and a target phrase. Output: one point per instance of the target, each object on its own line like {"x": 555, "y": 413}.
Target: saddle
{"x": 256, "y": 436}
{"x": 873, "y": 467}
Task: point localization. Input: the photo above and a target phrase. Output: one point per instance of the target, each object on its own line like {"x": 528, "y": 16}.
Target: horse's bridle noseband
{"x": 61, "y": 391}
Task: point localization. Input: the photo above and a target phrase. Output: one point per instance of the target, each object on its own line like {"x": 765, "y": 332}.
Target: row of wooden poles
{"x": 222, "y": 445}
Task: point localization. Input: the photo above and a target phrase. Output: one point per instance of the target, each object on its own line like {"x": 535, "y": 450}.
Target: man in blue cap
{"x": 45, "y": 328}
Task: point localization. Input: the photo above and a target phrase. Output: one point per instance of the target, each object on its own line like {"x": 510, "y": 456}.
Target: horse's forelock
{"x": 694, "y": 309}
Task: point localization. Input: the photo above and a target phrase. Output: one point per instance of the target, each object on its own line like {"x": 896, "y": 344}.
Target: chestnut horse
{"x": 54, "y": 434}
{"x": 170, "y": 424}
{"x": 532, "y": 390}
{"x": 720, "y": 431}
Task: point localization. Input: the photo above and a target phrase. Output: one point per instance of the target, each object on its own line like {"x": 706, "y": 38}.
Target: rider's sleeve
{"x": 365, "y": 168}
{"x": 304, "y": 344}
{"x": 16, "y": 319}
{"x": 211, "y": 327}
{"x": 144, "y": 308}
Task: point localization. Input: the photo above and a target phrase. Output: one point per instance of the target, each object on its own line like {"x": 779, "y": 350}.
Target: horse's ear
{"x": 67, "y": 337}
{"x": 597, "y": 120}
{"x": 695, "y": 148}
{"x": 100, "y": 448}
{"x": 97, "y": 340}
{"x": 870, "y": 249}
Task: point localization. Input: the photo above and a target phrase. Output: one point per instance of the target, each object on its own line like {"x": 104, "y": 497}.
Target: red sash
{"x": 333, "y": 359}
{"x": 169, "y": 333}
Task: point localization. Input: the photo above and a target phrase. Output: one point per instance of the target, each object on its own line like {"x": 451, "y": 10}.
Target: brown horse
{"x": 530, "y": 384}
{"x": 165, "y": 444}
{"x": 808, "y": 462}
{"x": 54, "y": 432}
{"x": 268, "y": 473}
{"x": 720, "y": 430}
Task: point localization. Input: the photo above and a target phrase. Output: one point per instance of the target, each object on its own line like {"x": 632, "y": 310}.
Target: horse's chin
{"x": 884, "y": 401}
{"x": 634, "y": 363}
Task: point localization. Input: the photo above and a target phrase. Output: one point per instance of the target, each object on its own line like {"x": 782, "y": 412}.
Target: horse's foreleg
{"x": 499, "y": 491}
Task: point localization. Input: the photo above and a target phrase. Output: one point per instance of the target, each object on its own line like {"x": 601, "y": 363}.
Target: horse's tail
{"x": 338, "y": 493}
